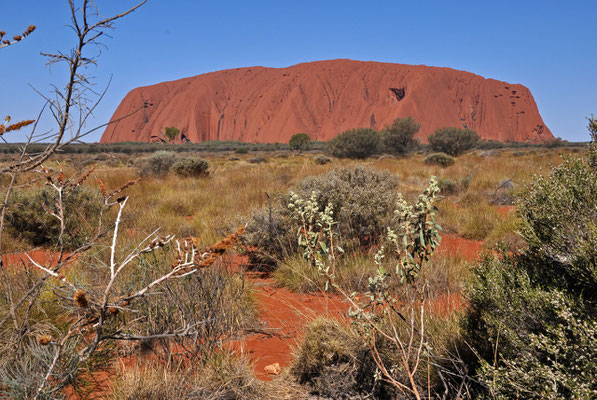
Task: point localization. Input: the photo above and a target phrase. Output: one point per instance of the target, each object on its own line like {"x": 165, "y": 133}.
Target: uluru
{"x": 323, "y": 99}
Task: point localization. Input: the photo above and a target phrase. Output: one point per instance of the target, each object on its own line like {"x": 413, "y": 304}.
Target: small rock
{"x": 273, "y": 369}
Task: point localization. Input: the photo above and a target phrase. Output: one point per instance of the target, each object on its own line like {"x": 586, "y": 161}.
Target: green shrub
{"x": 356, "y": 143}
{"x": 159, "y": 163}
{"x": 532, "y": 315}
{"x": 299, "y": 142}
{"x": 29, "y": 220}
{"x": 191, "y": 167}
{"x": 399, "y": 137}
{"x": 171, "y": 133}
{"x": 322, "y": 160}
{"x": 453, "y": 141}
{"x": 441, "y": 159}
{"x": 241, "y": 150}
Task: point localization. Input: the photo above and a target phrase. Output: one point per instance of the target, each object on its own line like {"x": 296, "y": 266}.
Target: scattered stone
{"x": 273, "y": 369}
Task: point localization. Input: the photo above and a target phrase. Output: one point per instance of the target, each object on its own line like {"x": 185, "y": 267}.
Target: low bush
{"x": 215, "y": 301}
{"x": 322, "y": 160}
{"x": 257, "y": 160}
{"x": 241, "y": 150}
{"x": 453, "y": 141}
{"x": 448, "y": 187}
{"x": 363, "y": 200}
{"x": 441, "y": 159}
{"x": 191, "y": 167}
{"x": 29, "y": 218}
{"x": 356, "y": 143}
{"x": 158, "y": 164}
{"x": 335, "y": 363}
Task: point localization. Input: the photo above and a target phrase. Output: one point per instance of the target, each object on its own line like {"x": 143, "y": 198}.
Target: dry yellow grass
{"x": 204, "y": 207}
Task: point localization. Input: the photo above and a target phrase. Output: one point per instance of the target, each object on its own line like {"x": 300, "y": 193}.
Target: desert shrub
{"x": 159, "y": 163}
{"x": 215, "y": 301}
{"x": 322, "y": 160}
{"x": 532, "y": 315}
{"x": 399, "y": 137}
{"x": 299, "y": 142}
{"x": 441, "y": 159}
{"x": 453, "y": 141}
{"x": 448, "y": 186}
{"x": 257, "y": 160}
{"x": 188, "y": 167}
{"x": 363, "y": 200}
{"x": 241, "y": 150}
{"x": 233, "y": 158}
{"x": 29, "y": 217}
{"x": 335, "y": 362}
{"x": 489, "y": 144}
{"x": 356, "y": 143}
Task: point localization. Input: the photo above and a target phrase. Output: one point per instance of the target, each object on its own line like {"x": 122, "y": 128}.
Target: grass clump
{"x": 442, "y": 159}
{"x": 191, "y": 167}
{"x": 298, "y": 275}
{"x": 322, "y": 160}
{"x": 334, "y": 362}
{"x": 223, "y": 377}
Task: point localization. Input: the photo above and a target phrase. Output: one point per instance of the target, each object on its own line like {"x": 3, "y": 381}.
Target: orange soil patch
{"x": 284, "y": 313}
{"x": 446, "y": 304}
{"x": 505, "y": 210}
{"x": 42, "y": 257}
{"x": 457, "y": 246}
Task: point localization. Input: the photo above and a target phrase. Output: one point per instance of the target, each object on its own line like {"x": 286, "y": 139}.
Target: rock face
{"x": 323, "y": 99}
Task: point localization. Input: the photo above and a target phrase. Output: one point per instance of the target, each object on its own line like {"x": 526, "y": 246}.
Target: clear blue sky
{"x": 548, "y": 45}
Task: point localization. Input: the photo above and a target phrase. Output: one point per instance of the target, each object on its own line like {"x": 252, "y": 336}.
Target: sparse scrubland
{"x": 237, "y": 192}
{"x": 462, "y": 269}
